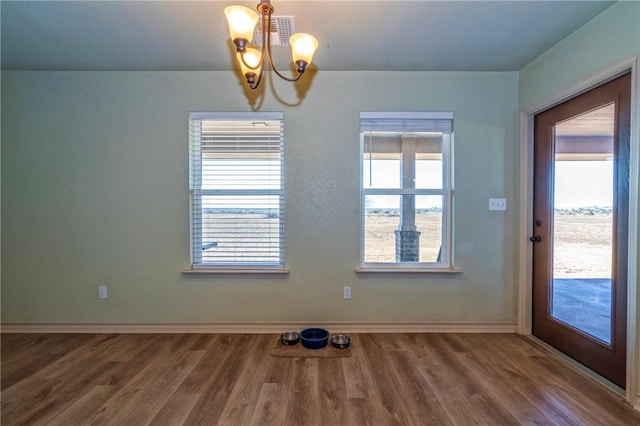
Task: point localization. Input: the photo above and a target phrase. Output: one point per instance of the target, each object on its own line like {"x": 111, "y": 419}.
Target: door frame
{"x": 525, "y": 268}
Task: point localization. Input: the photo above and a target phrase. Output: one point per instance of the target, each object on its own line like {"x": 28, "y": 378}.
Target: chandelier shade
{"x": 249, "y": 63}
{"x": 303, "y": 46}
{"x": 242, "y": 22}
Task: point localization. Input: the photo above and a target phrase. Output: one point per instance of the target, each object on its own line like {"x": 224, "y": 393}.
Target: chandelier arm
{"x": 267, "y": 36}
{"x": 273, "y": 66}
{"x": 284, "y": 77}
{"x": 265, "y": 10}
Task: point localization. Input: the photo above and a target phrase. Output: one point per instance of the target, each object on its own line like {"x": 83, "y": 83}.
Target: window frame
{"x": 196, "y": 193}
{"x": 446, "y": 265}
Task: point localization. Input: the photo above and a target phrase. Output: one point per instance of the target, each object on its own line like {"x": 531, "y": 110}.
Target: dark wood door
{"x": 581, "y": 192}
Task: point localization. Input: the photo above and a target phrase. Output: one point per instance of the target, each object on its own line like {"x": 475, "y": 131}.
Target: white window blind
{"x": 406, "y": 122}
{"x": 237, "y": 189}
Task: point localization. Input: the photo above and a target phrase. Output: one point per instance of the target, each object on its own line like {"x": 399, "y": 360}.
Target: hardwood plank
{"x": 302, "y": 407}
{"x": 439, "y": 379}
{"x": 423, "y": 349}
{"x": 529, "y": 375}
{"x": 176, "y": 410}
{"x": 222, "y": 379}
{"x": 332, "y": 392}
{"x": 518, "y": 401}
{"x": 487, "y": 408}
{"x": 248, "y": 382}
{"x": 57, "y": 386}
{"x": 391, "y": 402}
{"x": 131, "y": 406}
{"x": 357, "y": 382}
{"x": 596, "y": 405}
{"x": 226, "y": 358}
{"x": 271, "y": 407}
{"x": 520, "y": 405}
{"x": 537, "y": 383}
{"x": 522, "y": 377}
{"x": 81, "y": 409}
{"x": 144, "y": 350}
{"x": 279, "y": 370}
{"x": 361, "y": 413}
{"x": 422, "y": 403}
{"x": 366, "y": 406}
{"x": 218, "y": 349}
{"x": 27, "y": 354}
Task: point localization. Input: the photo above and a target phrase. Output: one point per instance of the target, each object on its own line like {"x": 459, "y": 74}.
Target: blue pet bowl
{"x": 314, "y": 338}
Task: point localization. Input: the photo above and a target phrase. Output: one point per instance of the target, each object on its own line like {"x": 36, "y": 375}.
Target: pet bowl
{"x": 340, "y": 341}
{"x": 290, "y": 338}
{"x": 314, "y": 338}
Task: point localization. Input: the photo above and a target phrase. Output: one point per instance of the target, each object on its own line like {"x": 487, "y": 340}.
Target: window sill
{"x": 433, "y": 272}
{"x": 267, "y": 272}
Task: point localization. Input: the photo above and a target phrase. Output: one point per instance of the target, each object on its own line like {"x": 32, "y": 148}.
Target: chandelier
{"x": 242, "y": 22}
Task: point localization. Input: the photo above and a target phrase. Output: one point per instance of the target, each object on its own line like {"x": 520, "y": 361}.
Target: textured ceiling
{"x": 353, "y": 35}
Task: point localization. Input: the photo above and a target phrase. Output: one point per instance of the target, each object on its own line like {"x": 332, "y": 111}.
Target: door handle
{"x": 535, "y": 239}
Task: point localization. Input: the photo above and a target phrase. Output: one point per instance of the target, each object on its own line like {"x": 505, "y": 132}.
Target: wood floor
{"x": 231, "y": 379}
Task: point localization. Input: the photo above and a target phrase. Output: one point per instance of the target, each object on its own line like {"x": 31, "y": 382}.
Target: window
{"x": 406, "y": 190}
{"x": 237, "y": 190}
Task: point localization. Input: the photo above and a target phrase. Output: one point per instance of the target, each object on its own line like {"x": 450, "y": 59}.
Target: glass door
{"x": 581, "y": 192}
{"x": 583, "y": 222}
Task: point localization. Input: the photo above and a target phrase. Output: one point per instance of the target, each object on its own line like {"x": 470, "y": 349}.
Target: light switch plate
{"x": 498, "y": 204}
{"x": 346, "y": 292}
{"x": 102, "y": 292}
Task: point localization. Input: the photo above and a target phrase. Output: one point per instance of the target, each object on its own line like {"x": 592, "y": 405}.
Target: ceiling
{"x": 353, "y": 35}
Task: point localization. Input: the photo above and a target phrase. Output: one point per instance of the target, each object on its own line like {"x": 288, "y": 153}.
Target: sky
{"x": 583, "y": 184}
{"x": 577, "y": 183}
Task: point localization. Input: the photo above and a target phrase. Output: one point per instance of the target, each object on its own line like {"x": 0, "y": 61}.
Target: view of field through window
{"x": 385, "y": 215}
{"x": 581, "y": 286}
{"x": 236, "y": 229}
{"x": 237, "y": 189}
{"x": 582, "y": 233}
{"x": 583, "y": 224}
{"x": 380, "y": 236}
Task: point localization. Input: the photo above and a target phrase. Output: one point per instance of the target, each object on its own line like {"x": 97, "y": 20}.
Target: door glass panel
{"x": 583, "y": 223}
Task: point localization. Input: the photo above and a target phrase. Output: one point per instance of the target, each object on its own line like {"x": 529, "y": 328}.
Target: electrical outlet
{"x": 346, "y": 292}
{"x": 102, "y": 292}
{"x": 498, "y": 204}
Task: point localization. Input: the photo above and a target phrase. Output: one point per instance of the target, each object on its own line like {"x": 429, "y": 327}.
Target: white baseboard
{"x": 262, "y": 328}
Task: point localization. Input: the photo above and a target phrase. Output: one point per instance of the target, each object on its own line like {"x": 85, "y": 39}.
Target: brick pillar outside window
{"x": 407, "y": 246}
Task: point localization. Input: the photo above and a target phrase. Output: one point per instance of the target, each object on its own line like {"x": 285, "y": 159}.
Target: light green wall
{"x": 94, "y": 192}
{"x": 608, "y": 40}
